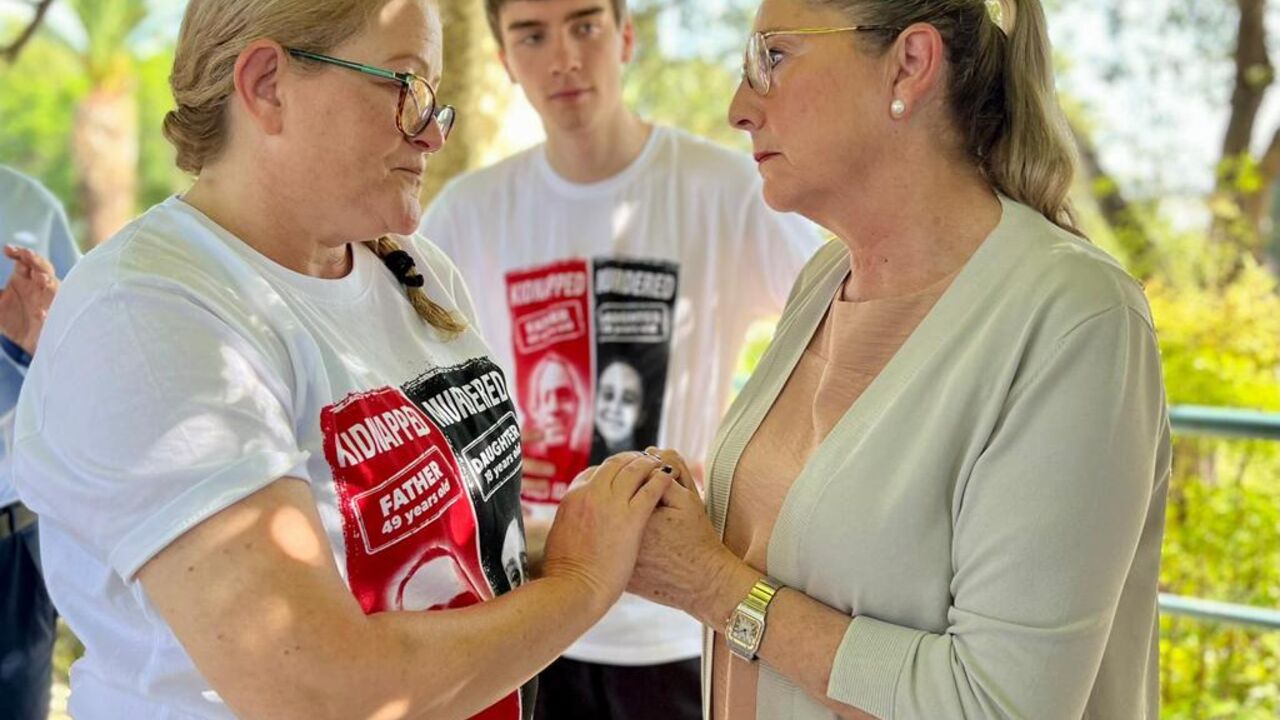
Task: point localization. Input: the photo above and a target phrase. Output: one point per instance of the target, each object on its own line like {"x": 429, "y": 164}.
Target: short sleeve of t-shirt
{"x": 188, "y": 419}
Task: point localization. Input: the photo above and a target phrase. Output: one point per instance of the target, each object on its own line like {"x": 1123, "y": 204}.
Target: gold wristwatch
{"x": 746, "y": 625}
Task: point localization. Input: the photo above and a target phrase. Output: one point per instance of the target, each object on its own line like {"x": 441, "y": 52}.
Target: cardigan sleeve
{"x": 1044, "y": 538}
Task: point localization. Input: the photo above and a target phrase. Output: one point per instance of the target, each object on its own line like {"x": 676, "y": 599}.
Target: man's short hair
{"x": 493, "y": 7}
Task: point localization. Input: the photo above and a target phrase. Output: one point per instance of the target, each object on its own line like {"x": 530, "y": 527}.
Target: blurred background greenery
{"x": 1178, "y": 130}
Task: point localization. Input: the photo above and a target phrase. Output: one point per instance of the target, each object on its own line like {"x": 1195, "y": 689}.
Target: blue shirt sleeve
{"x": 15, "y": 353}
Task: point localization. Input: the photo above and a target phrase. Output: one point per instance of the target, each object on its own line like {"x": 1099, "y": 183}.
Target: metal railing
{"x": 1222, "y": 422}
{"x": 1228, "y": 613}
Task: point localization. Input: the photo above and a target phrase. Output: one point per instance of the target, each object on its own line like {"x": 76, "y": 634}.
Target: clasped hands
{"x": 638, "y": 523}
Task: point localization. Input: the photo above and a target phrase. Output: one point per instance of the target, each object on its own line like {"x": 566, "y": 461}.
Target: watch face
{"x": 744, "y": 629}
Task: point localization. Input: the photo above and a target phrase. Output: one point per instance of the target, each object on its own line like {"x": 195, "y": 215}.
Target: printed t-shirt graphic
{"x": 592, "y": 344}
{"x": 427, "y": 481}
{"x": 634, "y": 309}
{"x": 551, "y": 338}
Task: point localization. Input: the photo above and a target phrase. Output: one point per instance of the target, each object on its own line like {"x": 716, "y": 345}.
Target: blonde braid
{"x": 427, "y": 309}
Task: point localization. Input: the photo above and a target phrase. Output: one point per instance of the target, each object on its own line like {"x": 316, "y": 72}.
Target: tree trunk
{"x": 1254, "y": 74}
{"x": 105, "y": 147}
{"x": 473, "y": 83}
{"x": 1238, "y": 211}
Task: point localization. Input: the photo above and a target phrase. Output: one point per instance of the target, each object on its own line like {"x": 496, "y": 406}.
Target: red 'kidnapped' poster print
{"x": 551, "y": 316}
{"x": 410, "y": 525}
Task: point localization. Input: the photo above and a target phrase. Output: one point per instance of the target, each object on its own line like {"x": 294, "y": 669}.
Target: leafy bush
{"x": 1219, "y": 335}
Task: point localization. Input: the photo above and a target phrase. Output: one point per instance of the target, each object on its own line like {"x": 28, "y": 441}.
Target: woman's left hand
{"x": 682, "y": 562}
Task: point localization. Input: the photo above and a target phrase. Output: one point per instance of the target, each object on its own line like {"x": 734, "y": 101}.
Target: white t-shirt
{"x": 181, "y": 371}
{"x": 618, "y": 310}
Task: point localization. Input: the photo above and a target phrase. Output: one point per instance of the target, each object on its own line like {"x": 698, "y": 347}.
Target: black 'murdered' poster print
{"x": 472, "y": 406}
{"x": 634, "y": 311}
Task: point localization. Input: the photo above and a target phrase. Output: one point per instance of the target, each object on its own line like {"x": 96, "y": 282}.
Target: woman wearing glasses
{"x": 277, "y": 472}
{"x": 942, "y": 493}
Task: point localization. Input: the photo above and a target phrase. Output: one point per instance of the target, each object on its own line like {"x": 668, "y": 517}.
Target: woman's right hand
{"x": 596, "y": 534}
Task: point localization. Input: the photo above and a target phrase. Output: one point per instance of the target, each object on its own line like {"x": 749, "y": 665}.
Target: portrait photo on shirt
{"x": 558, "y": 403}
{"x": 634, "y": 311}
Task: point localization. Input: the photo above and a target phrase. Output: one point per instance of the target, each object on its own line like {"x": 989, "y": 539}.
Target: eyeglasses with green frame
{"x": 417, "y": 106}
{"x": 757, "y": 68}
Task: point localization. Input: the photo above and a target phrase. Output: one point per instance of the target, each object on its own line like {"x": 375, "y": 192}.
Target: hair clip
{"x": 401, "y": 264}
{"x": 995, "y": 10}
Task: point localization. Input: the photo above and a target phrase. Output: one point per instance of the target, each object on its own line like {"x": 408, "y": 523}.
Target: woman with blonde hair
{"x": 277, "y": 472}
{"x": 942, "y": 493}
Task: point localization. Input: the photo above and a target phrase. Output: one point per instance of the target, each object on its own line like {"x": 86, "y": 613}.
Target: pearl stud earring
{"x": 897, "y": 109}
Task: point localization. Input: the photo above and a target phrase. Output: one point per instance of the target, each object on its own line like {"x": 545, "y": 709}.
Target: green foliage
{"x": 1242, "y": 173}
{"x": 37, "y": 95}
{"x": 1218, "y": 320}
{"x": 1220, "y": 345}
{"x": 689, "y": 88}
{"x": 694, "y": 96}
{"x": 758, "y": 338}
{"x": 1223, "y": 543}
{"x": 158, "y": 175}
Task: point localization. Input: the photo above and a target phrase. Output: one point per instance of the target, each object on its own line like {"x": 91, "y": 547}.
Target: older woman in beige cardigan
{"x": 942, "y": 493}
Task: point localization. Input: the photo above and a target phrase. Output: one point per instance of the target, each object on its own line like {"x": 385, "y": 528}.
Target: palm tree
{"x": 105, "y": 142}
